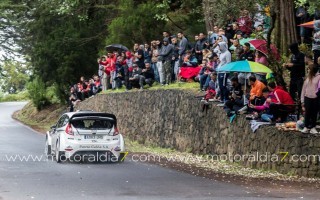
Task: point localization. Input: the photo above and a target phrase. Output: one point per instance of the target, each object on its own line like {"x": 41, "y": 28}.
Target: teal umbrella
{"x": 242, "y": 41}
{"x": 245, "y": 67}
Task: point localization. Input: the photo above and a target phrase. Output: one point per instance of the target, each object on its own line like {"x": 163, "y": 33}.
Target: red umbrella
{"x": 307, "y": 24}
{"x": 261, "y": 45}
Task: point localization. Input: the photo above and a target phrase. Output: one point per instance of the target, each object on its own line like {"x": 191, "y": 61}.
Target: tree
{"x": 14, "y": 76}
{"x": 143, "y": 21}
{"x": 62, "y": 40}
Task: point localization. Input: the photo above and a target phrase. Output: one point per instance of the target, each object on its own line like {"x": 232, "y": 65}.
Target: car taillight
{"x": 116, "y": 131}
{"x": 69, "y": 129}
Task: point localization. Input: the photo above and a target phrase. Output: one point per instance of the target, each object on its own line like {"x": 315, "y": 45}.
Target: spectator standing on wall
{"x": 310, "y": 99}
{"x": 201, "y": 44}
{"x": 139, "y": 55}
{"x": 245, "y": 23}
{"x": 183, "y": 46}
{"x": 154, "y": 59}
{"x": 102, "y": 72}
{"x": 166, "y": 54}
{"x": 166, "y": 35}
{"x": 296, "y": 66}
{"x": 225, "y": 58}
{"x": 175, "y": 58}
{"x": 147, "y": 52}
{"x": 316, "y": 41}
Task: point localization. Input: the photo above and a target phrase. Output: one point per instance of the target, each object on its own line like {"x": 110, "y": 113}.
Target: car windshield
{"x": 92, "y": 123}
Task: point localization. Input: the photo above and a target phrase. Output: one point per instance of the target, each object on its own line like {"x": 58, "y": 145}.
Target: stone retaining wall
{"x": 174, "y": 119}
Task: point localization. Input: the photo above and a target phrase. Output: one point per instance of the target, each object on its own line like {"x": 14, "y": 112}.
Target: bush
{"x": 37, "y": 92}
{"x": 51, "y": 94}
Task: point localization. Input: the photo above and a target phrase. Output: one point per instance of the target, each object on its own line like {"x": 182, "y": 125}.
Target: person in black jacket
{"x": 247, "y": 54}
{"x": 201, "y": 44}
{"x": 296, "y": 66}
{"x": 236, "y": 99}
{"x": 148, "y": 74}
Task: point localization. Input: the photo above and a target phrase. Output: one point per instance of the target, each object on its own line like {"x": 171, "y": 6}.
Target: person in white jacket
{"x": 225, "y": 55}
{"x": 224, "y": 58}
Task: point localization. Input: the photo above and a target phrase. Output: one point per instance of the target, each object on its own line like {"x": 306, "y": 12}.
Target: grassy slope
{"x": 39, "y": 120}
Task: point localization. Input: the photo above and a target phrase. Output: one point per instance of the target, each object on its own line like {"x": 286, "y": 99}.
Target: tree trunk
{"x": 208, "y": 17}
{"x": 285, "y": 33}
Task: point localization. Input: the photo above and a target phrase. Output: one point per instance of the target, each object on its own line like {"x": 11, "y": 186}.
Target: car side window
{"x": 60, "y": 122}
{"x": 65, "y": 121}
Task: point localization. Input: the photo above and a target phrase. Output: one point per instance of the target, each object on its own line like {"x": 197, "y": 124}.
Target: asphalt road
{"x": 129, "y": 180}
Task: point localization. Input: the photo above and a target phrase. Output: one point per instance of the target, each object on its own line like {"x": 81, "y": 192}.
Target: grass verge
{"x": 193, "y": 86}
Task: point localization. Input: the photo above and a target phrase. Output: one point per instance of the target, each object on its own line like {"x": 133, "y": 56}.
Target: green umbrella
{"x": 242, "y": 41}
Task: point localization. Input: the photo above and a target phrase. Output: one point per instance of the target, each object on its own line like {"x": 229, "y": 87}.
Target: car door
{"x": 57, "y": 130}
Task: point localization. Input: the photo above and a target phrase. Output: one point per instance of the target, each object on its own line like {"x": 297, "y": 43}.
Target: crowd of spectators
{"x": 162, "y": 60}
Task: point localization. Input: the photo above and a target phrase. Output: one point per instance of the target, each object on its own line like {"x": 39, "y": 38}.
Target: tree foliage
{"x": 14, "y": 77}
{"x": 143, "y": 21}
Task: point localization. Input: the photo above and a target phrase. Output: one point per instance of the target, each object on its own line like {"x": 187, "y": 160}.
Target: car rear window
{"x": 93, "y": 123}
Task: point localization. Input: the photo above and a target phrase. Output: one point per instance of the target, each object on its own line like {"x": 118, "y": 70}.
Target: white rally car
{"x": 85, "y": 135}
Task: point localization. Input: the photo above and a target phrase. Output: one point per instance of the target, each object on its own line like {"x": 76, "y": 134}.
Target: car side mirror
{"x": 53, "y": 127}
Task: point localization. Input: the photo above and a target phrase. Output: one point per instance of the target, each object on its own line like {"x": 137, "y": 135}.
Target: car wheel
{"x": 58, "y": 154}
{"x": 121, "y": 157}
{"x": 47, "y": 149}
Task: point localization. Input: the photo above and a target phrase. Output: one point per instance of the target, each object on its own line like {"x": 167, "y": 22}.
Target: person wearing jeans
{"x": 160, "y": 71}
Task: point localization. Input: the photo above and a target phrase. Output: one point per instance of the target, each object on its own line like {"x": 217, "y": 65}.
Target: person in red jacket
{"x": 282, "y": 104}
{"x": 245, "y": 23}
{"x": 109, "y": 66}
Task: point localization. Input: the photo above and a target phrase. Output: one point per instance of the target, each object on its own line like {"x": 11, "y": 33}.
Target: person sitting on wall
{"x": 264, "y": 110}
{"x": 236, "y": 100}
{"x": 257, "y": 86}
{"x": 73, "y": 99}
{"x": 148, "y": 74}
{"x": 136, "y": 79}
{"x": 282, "y": 103}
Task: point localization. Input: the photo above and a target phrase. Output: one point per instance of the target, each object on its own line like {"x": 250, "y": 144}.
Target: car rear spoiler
{"x": 93, "y": 114}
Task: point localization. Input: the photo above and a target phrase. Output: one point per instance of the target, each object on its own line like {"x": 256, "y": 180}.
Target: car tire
{"x": 58, "y": 154}
{"x": 121, "y": 158}
{"x": 47, "y": 149}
